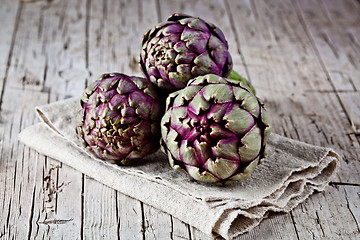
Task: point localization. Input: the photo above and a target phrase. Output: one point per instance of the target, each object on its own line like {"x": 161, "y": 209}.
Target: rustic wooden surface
{"x": 303, "y": 57}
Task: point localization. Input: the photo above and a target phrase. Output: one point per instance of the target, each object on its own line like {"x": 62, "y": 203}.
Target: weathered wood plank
{"x": 338, "y": 33}
{"x": 343, "y": 12}
{"x": 56, "y": 203}
{"x": 44, "y": 199}
{"x": 62, "y": 56}
{"x": 17, "y": 174}
{"x": 32, "y": 200}
{"x": 130, "y": 216}
{"x": 329, "y": 215}
{"x": 351, "y": 103}
{"x": 156, "y": 224}
{"x": 50, "y": 54}
{"x": 332, "y": 32}
{"x": 9, "y": 17}
{"x": 75, "y": 41}
{"x": 352, "y": 197}
{"x": 115, "y": 35}
{"x": 198, "y": 235}
{"x": 100, "y": 216}
{"x": 275, "y": 227}
{"x": 179, "y": 229}
{"x": 335, "y": 34}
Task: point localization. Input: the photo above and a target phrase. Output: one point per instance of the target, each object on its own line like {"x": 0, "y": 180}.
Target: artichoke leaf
{"x": 221, "y": 92}
{"x": 236, "y": 76}
{"x": 221, "y": 167}
{"x": 251, "y": 145}
{"x": 203, "y": 176}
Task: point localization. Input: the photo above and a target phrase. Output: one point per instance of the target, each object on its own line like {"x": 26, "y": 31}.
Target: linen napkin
{"x": 290, "y": 173}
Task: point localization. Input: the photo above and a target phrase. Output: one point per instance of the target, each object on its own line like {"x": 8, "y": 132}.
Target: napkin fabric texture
{"x": 290, "y": 173}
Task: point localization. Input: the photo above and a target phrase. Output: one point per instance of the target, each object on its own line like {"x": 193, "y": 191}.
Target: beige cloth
{"x": 290, "y": 173}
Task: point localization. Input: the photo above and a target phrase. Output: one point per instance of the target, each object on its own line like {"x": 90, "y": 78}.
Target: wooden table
{"x": 303, "y": 57}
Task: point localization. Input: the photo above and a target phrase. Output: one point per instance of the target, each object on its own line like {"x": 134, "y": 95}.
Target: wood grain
{"x": 303, "y": 57}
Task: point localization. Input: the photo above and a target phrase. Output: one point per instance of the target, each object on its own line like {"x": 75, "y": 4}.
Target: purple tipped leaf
{"x": 195, "y": 40}
{"x": 218, "y": 91}
{"x": 187, "y": 154}
{"x": 117, "y": 101}
{"x": 127, "y": 111}
{"x": 238, "y": 120}
{"x": 218, "y": 132}
{"x": 163, "y": 73}
{"x": 172, "y": 28}
{"x": 204, "y": 64}
{"x": 198, "y": 104}
{"x": 203, "y": 176}
{"x": 251, "y": 145}
{"x": 126, "y": 86}
{"x": 176, "y": 78}
{"x": 249, "y": 101}
{"x": 217, "y": 111}
{"x": 186, "y": 95}
{"x": 227, "y": 148}
{"x": 221, "y": 168}
{"x": 217, "y": 51}
{"x": 195, "y": 23}
{"x": 172, "y": 144}
{"x": 108, "y": 82}
{"x": 162, "y": 83}
{"x": 142, "y": 129}
{"x": 203, "y": 152}
{"x": 125, "y": 120}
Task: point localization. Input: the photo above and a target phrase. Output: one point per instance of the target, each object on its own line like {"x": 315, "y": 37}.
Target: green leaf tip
{"x": 236, "y": 76}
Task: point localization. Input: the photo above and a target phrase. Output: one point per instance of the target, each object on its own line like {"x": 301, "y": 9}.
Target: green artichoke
{"x": 215, "y": 129}
{"x": 120, "y": 118}
{"x": 182, "y": 48}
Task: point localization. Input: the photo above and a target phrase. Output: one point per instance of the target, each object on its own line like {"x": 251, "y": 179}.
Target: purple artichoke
{"x": 182, "y": 48}
{"x": 120, "y": 118}
{"x": 215, "y": 129}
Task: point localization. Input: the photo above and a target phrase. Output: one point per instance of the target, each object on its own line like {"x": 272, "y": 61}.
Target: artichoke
{"x": 182, "y": 48}
{"x": 215, "y": 129}
{"x": 120, "y": 118}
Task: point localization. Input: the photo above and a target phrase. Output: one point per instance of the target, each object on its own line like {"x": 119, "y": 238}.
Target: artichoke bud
{"x": 217, "y": 133}
{"x": 115, "y": 118}
{"x": 182, "y": 48}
